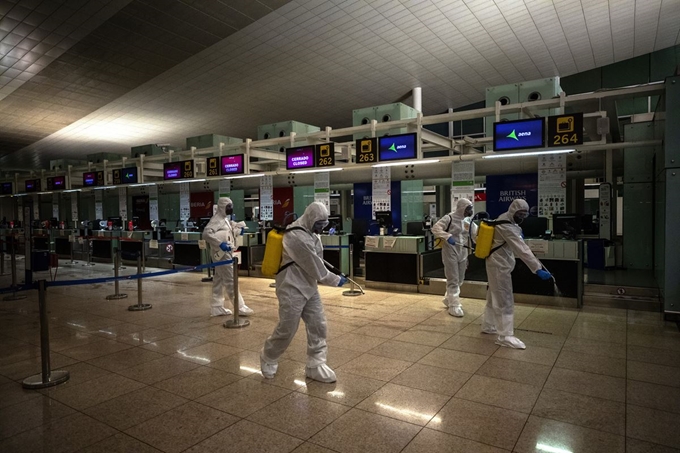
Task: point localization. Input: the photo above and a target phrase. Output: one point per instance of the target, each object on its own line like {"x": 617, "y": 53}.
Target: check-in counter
{"x": 563, "y": 258}
{"x": 336, "y": 251}
{"x": 63, "y": 242}
{"x": 393, "y": 262}
{"x": 103, "y": 242}
{"x": 186, "y": 251}
{"x": 13, "y": 239}
{"x": 134, "y": 243}
{"x": 252, "y": 253}
{"x": 41, "y": 239}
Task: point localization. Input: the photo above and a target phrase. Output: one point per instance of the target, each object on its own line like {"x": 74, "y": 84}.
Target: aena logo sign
{"x": 396, "y": 147}
{"x": 515, "y": 135}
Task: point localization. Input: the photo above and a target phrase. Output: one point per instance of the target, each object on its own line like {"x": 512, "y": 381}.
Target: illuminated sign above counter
{"x": 178, "y": 170}
{"x": 56, "y": 182}
{"x": 6, "y": 188}
{"x": 232, "y": 165}
{"x": 520, "y": 134}
{"x": 300, "y": 157}
{"x": 398, "y": 147}
{"x": 93, "y": 178}
{"x": 32, "y": 185}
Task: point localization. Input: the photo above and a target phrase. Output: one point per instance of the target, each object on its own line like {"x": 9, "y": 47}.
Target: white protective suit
{"x": 499, "y": 313}
{"x": 298, "y": 294}
{"x": 455, "y": 225}
{"x": 221, "y": 229}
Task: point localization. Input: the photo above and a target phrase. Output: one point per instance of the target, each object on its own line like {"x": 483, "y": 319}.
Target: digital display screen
{"x": 301, "y": 157}
{"x": 397, "y": 147}
{"x": 32, "y": 185}
{"x": 89, "y": 179}
{"x": 7, "y": 188}
{"x": 521, "y": 134}
{"x": 129, "y": 175}
{"x": 56, "y": 183}
{"x": 178, "y": 170}
{"x": 232, "y": 165}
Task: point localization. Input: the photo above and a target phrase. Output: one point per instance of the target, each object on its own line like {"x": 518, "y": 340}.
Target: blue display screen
{"x": 129, "y": 175}
{"x": 397, "y": 147}
{"x": 521, "y": 134}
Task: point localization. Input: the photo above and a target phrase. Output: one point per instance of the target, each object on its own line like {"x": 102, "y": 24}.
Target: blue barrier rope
{"x": 112, "y": 279}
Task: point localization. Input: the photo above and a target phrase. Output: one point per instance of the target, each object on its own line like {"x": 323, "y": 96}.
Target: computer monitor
{"x": 117, "y": 222}
{"x": 566, "y": 225}
{"x": 384, "y": 218}
{"x": 534, "y": 227}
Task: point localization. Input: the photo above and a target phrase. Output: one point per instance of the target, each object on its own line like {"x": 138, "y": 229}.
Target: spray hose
{"x": 337, "y": 271}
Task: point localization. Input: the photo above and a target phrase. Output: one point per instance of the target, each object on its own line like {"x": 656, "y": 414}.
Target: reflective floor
{"x": 411, "y": 378}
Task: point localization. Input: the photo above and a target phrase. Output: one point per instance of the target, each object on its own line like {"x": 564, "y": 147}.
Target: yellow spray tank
{"x": 485, "y": 232}
{"x": 273, "y": 252}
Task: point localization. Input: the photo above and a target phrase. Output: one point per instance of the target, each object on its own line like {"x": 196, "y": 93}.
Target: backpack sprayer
{"x": 337, "y": 271}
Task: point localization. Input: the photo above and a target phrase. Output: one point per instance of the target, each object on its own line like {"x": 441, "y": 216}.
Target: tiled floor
{"x": 411, "y": 378}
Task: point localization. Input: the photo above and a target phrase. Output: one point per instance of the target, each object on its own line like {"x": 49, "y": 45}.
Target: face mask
{"x": 229, "y": 210}
{"x": 319, "y": 226}
{"x": 519, "y": 217}
{"x": 468, "y": 211}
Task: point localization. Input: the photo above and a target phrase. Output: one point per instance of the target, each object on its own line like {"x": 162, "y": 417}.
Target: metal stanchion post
{"x": 140, "y": 305}
{"x": 47, "y": 378}
{"x": 72, "y": 262}
{"x": 2, "y": 262}
{"x": 116, "y": 295}
{"x": 351, "y": 292}
{"x": 236, "y": 323}
{"x": 208, "y": 259}
{"x": 89, "y": 254}
{"x": 14, "y": 295}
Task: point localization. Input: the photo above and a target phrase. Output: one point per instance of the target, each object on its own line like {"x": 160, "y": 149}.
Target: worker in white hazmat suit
{"x": 507, "y": 244}
{"x": 221, "y": 233}
{"x": 302, "y": 267}
{"x": 453, "y": 230}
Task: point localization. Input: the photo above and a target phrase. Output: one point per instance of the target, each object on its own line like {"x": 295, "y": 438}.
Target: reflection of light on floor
{"x": 194, "y": 357}
{"x": 75, "y": 324}
{"x": 299, "y": 382}
{"x": 409, "y": 412}
{"x": 249, "y": 369}
{"x": 549, "y": 449}
{"x": 336, "y": 394}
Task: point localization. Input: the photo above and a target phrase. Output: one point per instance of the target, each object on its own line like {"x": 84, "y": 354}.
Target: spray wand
{"x": 556, "y": 290}
{"x": 337, "y": 271}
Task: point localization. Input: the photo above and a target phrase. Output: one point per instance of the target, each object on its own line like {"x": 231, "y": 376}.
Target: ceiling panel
{"x": 74, "y": 78}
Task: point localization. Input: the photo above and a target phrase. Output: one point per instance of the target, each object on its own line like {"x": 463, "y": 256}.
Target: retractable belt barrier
{"x": 49, "y": 377}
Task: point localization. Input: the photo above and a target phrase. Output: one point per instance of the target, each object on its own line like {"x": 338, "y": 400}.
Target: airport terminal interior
{"x": 123, "y": 123}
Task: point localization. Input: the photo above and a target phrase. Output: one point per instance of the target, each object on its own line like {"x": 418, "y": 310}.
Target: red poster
{"x": 201, "y": 204}
{"x": 283, "y": 204}
{"x": 480, "y": 196}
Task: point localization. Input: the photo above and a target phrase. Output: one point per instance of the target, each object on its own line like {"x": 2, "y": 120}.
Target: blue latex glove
{"x": 242, "y": 231}
{"x": 225, "y": 247}
{"x": 543, "y": 274}
{"x": 343, "y": 280}
{"x": 451, "y": 240}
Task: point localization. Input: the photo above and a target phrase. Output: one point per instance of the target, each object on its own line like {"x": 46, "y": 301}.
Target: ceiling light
{"x": 253, "y": 175}
{"x": 318, "y": 170}
{"x": 188, "y": 180}
{"x": 407, "y": 162}
{"x": 497, "y": 155}
{"x": 72, "y": 190}
{"x": 142, "y": 185}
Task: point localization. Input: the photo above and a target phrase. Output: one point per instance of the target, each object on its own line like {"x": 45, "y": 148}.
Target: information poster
{"x": 55, "y": 205}
{"x": 74, "y": 206}
{"x": 462, "y": 182}
{"x": 184, "y": 201}
{"x": 36, "y": 207}
{"x": 153, "y": 202}
{"x": 382, "y": 178}
{"x": 98, "y": 206}
{"x": 552, "y": 185}
{"x": 322, "y": 189}
{"x": 225, "y": 188}
{"x": 266, "y": 198}
{"x": 122, "y": 204}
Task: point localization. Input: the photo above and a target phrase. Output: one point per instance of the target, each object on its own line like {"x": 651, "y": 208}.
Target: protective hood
{"x": 517, "y": 205}
{"x": 461, "y": 205}
{"x": 315, "y": 212}
{"x": 222, "y": 203}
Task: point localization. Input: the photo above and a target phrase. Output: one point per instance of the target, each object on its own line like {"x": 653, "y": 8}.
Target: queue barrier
{"x": 48, "y": 377}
